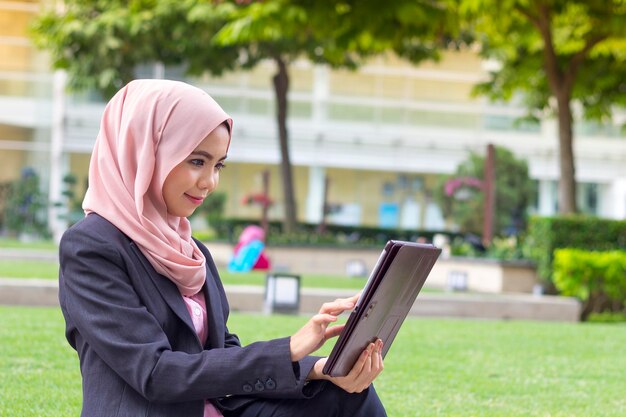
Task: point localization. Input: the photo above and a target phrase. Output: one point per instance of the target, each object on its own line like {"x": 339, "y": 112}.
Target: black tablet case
{"x": 386, "y": 300}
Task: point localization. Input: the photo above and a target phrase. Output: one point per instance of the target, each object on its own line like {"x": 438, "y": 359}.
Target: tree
{"x": 461, "y": 195}
{"x": 555, "y": 53}
{"x": 25, "y": 206}
{"x": 100, "y": 42}
{"x": 336, "y": 33}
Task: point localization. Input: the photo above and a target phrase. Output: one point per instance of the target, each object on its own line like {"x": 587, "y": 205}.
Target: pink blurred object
{"x": 248, "y": 235}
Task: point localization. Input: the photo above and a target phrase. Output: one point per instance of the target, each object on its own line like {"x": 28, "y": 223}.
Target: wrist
{"x": 316, "y": 371}
{"x": 294, "y": 350}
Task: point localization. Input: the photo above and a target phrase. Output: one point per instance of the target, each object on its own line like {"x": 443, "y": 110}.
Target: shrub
{"x": 598, "y": 279}
{"x": 545, "y": 234}
{"x": 461, "y": 196}
{"x": 25, "y": 209}
{"x": 334, "y": 235}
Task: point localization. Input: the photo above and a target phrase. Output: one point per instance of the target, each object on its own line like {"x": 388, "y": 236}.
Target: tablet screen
{"x": 386, "y": 300}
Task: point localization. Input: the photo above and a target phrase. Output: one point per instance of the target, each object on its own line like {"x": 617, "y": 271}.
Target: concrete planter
{"x": 484, "y": 275}
{"x": 456, "y": 273}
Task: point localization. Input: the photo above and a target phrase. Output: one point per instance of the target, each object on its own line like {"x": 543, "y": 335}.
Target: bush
{"x": 461, "y": 196}
{"x": 334, "y": 235}
{"x": 545, "y": 234}
{"x": 598, "y": 279}
{"x": 25, "y": 209}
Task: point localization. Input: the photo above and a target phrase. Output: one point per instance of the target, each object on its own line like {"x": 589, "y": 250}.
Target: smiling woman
{"x": 188, "y": 184}
{"x": 144, "y": 305}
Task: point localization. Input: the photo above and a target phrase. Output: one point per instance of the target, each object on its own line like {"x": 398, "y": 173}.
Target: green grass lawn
{"x": 38, "y": 245}
{"x": 434, "y": 368}
{"x": 50, "y": 270}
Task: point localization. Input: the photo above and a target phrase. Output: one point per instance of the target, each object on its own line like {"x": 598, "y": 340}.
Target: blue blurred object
{"x": 246, "y": 256}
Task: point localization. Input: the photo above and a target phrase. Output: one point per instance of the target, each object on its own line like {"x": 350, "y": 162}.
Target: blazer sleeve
{"x": 107, "y": 316}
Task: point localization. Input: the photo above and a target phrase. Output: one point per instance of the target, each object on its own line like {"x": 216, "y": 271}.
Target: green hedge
{"x": 598, "y": 279}
{"x": 545, "y": 234}
{"x": 334, "y": 235}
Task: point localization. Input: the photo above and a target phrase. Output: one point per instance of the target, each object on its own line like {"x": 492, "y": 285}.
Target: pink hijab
{"x": 148, "y": 128}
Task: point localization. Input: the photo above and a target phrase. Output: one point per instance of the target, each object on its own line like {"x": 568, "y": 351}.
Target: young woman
{"x": 143, "y": 302}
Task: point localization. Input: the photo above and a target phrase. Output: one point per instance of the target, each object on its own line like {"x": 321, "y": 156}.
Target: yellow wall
{"x": 241, "y": 180}
{"x": 347, "y": 186}
{"x": 15, "y": 56}
{"x": 11, "y": 163}
{"x": 15, "y": 22}
{"x": 79, "y": 166}
{"x": 398, "y": 85}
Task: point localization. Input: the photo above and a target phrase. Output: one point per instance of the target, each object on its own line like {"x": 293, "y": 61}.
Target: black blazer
{"x": 139, "y": 353}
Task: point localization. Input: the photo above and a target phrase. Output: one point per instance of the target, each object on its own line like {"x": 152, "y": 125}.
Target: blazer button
{"x": 247, "y": 388}
{"x": 259, "y": 385}
{"x": 270, "y": 384}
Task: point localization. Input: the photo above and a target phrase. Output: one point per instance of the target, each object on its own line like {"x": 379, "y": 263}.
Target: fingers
{"x": 336, "y": 307}
{"x": 377, "y": 360}
{"x": 334, "y": 331}
{"x": 323, "y": 318}
{"x": 367, "y": 368}
{"x": 339, "y": 305}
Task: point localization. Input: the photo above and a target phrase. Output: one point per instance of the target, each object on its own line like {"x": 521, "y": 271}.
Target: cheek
{"x": 175, "y": 182}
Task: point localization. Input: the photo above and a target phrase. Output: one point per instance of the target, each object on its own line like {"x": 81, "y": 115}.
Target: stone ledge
{"x": 41, "y": 292}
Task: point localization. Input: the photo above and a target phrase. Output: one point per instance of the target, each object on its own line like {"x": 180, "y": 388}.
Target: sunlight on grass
{"x": 434, "y": 368}
{"x": 38, "y": 244}
{"x": 50, "y": 270}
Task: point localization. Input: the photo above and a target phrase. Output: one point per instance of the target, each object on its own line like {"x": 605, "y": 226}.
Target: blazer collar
{"x": 215, "y": 314}
{"x": 169, "y": 291}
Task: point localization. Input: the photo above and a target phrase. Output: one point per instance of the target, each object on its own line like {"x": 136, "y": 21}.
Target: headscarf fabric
{"x": 147, "y": 129}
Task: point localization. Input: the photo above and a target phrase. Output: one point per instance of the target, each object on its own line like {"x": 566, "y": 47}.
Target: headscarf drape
{"x": 148, "y": 128}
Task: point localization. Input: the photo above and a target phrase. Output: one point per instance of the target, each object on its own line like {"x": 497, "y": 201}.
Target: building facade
{"x": 381, "y": 135}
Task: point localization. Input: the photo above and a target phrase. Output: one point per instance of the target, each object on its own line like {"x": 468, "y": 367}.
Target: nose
{"x": 208, "y": 182}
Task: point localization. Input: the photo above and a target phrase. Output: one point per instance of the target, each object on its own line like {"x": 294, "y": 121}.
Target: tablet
{"x": 387, "y": 298}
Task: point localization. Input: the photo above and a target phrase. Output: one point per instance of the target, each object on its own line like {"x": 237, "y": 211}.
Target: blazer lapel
{"x": 215, "y": 314}
{"x": 168, "y": 291}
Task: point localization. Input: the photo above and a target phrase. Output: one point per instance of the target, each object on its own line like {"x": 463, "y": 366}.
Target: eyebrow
{"x": 207, "y": 155}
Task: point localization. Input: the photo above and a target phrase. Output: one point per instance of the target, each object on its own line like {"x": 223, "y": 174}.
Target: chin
{"x": 181, "y": 213}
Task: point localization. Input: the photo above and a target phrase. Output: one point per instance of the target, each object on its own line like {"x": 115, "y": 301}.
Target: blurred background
{"x": 470, "y": 123}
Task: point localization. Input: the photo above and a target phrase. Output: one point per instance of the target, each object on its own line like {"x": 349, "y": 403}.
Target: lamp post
{"x": 490, "y": 195}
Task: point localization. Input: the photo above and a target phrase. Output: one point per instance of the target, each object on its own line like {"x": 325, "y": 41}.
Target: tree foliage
{"x": 461, "y": 195}
{"x": 25, "y": 206}
{"x": 100, "y": 43}
{"x": 551, "y": 53}
{"x": 337, "y": 33}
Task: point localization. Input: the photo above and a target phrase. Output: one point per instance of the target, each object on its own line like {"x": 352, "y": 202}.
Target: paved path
{"x": 29, "y": 255}
{"x": 44, "y": 292}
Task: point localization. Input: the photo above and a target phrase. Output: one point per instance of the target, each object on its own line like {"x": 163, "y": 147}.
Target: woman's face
{"x": 188, "y": 184}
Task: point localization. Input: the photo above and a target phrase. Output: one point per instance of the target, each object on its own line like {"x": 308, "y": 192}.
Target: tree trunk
{"x": 567, "y": 184}
{"x": 281, "y": 87}
{"x": 561, "y": 82}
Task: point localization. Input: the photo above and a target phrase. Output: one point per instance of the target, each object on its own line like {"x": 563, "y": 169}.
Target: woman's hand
{"x": 316, "y": 331}
{"x": 367, "y": 367}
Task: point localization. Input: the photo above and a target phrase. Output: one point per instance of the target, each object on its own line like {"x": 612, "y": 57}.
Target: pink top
{"x": 196, "y": 306}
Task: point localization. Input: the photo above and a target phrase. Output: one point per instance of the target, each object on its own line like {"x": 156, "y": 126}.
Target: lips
{"x": 195, "y": 200}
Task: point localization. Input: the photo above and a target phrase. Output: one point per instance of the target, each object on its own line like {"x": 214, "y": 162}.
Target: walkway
{"x": 44, "y": 292}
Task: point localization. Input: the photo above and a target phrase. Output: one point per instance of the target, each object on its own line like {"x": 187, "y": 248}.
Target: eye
{"x": 197, "y": 162}
{"x": 220, "y": 166}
